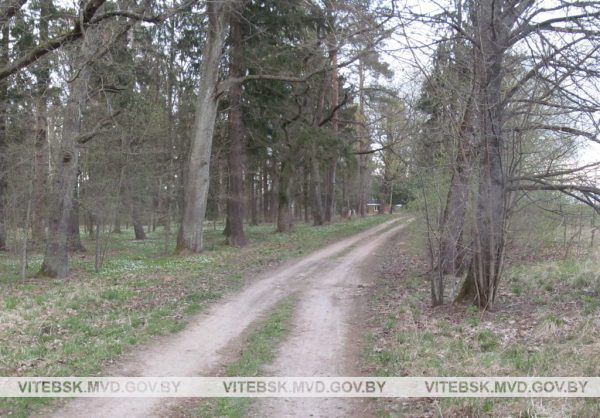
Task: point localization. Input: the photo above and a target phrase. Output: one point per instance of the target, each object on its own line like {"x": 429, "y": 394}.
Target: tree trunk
{"x": 117, "y": 224}
{"x": 315, "y": 170}
{"x": 41, "y": 165}
{"x": 89, "y": 224}
{"x": 56, "y": 258}
{"x": 74, "y": 238}
{"x": 305, "y": 194}
{"x": 265, "y": 193}
{"x": 451, "y": 255}
{"x": 4, "y": 52}
{"x": 190, "y": 236}
{"x": 136, "y": 219}
{"x": 235, "y": 196}
{"x": 363, "y": 143}
{"x": 330, "y": 203}
{"x": 487, "y": 263}
{"x": 253, "y": 205}
{"x": 315, "y": 179}
{"x": 41, "y": 132}
{"x": 284, "y": 220}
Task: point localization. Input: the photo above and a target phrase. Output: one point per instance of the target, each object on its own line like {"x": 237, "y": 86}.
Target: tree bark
{"x": 330, "y": 201}
{"x": 451, "y": 255}
{"x": 56, "y": 258}
{"x": 190, "y": 236}
{"x": 487, "y": 263}
{"x": 136, "y": 219}
{"x": 315, "y": 169}
{"x": 117, "y": 224}
{"x": 235, "y": 195}
{"x": 315, "y": 180}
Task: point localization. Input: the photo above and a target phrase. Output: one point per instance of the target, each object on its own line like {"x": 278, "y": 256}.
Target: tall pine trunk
{"x": 315, "y": 187}
{"x": 235, "y": 194}
{"x": 330, "y": 201}
{"x": 363, "y": 143}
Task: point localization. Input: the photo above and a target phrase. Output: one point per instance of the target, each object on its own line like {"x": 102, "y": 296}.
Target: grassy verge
{"x": 73, "y": 327}
{"x": 259, "y": 350}
{"x": 547, "y": 324}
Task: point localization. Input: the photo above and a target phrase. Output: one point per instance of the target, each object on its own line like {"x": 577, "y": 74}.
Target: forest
{"x": 156, "y": 155}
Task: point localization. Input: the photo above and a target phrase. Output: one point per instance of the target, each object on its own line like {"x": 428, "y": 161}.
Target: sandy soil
{"x": 329, "y": 283}
{"x": 326, "y": 339}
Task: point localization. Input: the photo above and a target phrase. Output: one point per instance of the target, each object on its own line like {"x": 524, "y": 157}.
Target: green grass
{"x": 259, "y": 350}
{"x": 72, "y": 327}
{"x": 546, "y": 324}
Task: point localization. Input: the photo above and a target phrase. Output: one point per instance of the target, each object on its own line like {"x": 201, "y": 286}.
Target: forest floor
{"x": 325, "y": 285}
{"x": 546, "y": 323}
{"x": 110, "y": 323}
{"x": 358, "y": 306}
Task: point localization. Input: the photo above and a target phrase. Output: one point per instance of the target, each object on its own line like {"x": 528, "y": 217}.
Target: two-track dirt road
{"x": 323, "y": 341}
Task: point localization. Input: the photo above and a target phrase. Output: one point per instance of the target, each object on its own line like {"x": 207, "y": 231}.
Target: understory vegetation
{"x": 547, "y": 323}
{"x": 73, "y": 327}
{"x": 155, "y": 155}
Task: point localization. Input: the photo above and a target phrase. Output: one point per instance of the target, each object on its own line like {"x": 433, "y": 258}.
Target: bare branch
{"x": 97, "y": 129}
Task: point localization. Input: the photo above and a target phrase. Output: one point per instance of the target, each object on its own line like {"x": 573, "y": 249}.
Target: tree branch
{"x": 561, "y": 129}
{"x": 97, "y": 129}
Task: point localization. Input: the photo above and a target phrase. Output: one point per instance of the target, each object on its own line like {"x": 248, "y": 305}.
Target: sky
{"x": 412, "y": 64}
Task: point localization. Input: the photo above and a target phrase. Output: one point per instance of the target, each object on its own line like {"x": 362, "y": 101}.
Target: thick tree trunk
{"x": 56, "y": 258}
{"x": 488, "y": 258}
{"x": 190, "y": 236}
{"x": 117, "y": 224}
{"x": 235, "y": 195}
{"x": 136, "y": 219}
{"x": 451, "y": 254}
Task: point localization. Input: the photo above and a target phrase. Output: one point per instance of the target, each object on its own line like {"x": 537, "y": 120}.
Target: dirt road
{"x": 328, "y": 281}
